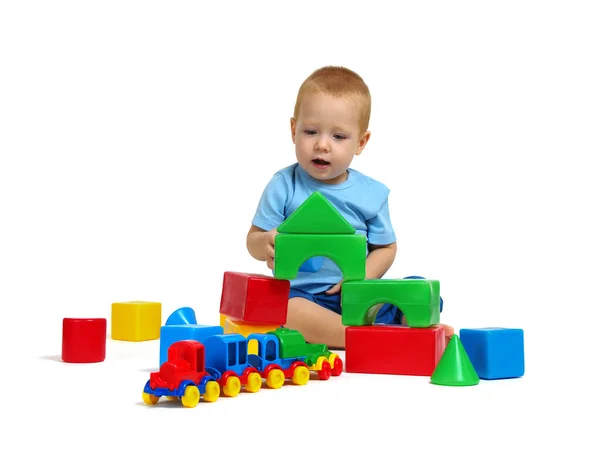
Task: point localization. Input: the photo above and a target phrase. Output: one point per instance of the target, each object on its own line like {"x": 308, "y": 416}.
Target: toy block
{"x": 312, "y": 265}
{"x": 255, "y": 298}
{"x": 455, "y": 367}
{"x": 418, "y": 299}
{"x": 316, "y": 215}
{"x": 236, "y": 326}
{"x": 182, "y": 316}
{"x": 348, "y": 252}
{"x": 496, "y": 352}
{"x": 223, "y": 320}
{"x": 83, "y": 340}
{"x": 394, "y": 349}
{"x": 169, "y": 334}
{"x": 136, "y": 321}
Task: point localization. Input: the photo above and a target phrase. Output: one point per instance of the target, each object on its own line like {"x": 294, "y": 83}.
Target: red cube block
{"x": 394, "y": 349}
{"x": 255, "y": 298}
{"x": 84, "y": 340}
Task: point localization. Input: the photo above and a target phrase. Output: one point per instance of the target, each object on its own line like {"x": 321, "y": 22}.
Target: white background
{"x": 136, "y": 139}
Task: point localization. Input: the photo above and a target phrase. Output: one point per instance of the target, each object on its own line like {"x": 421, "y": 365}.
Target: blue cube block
{"x": 496, "y": 352}
{"x": 312, "y": 265}
{"x": 169, "y": 334}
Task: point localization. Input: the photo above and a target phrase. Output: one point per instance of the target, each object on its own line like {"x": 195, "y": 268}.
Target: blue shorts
{"x": 387, "y": 314}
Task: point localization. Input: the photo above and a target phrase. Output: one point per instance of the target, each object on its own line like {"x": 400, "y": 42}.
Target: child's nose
{"x": 322, "y": 144}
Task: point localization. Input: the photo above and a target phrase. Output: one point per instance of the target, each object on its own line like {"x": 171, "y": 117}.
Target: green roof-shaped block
{"x": 316, "y": 215}
{"x": 455, "y": 367}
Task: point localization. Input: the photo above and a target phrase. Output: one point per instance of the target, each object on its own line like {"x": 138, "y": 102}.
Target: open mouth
{"x": 320, "y": 163}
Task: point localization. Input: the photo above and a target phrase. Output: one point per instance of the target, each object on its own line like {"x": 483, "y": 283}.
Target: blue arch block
{"x": 170, "y": 334}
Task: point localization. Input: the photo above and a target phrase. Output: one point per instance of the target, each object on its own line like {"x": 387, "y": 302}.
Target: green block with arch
{"x": 347, "y": 251}
{"x": 419, "y": 300}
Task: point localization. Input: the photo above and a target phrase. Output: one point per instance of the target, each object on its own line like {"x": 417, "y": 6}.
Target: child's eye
{"x": 310, "y": 132}
{"x": 339, "y": 137}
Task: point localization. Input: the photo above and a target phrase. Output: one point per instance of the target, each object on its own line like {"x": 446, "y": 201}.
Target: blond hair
{"x": 338, "y": 82}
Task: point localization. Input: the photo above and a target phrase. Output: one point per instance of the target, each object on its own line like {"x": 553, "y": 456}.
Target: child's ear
{"x": 293, "y": 128}
{"x": 363, "y": 142}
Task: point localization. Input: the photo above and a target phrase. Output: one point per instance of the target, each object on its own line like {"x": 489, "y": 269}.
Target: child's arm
{"x": 379, "y": 260}
{"x": 261, "y": 244}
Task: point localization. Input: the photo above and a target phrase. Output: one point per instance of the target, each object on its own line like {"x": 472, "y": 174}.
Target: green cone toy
{"x": 455, "y": 367}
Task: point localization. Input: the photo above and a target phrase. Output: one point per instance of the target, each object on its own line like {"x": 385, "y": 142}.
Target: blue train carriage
{"x": 288, "y": 349}
{"x": 183, "y": 376}
{"x": 227, "y": 361}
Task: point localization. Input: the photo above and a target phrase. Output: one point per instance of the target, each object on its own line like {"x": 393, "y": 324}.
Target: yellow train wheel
{"x": 191, "y": 396}
{"x": 212, "y": 392}
{"x": 232, "y": 386}
{"x": 275, "y": 378}
{"x": 301, "y": 375}
{"x": 172, "y": 398}
{"x": 254, "y": 382}
{"x": 149, "y": 399}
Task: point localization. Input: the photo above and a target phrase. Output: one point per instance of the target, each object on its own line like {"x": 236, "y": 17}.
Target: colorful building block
{"x": 83, "y": 340}
{"x": 136, "y": 321}
{"x": 496, "y": 352}
{"x": 312, "y": 265}
{"x": 316, "y": 215}
{"x": 394, "y": 349}
{"x": 348, "y": 252}
{"x": 255, "y": 298}
{"x": 182, "y": 316}
{"x": 455, "y": 368}
{"x": 418, "y": 299}
{"x": 169, "y": 334}
{"x": 237, "y": 326}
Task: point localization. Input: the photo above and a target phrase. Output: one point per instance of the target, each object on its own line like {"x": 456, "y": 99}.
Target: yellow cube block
{"x": 136, "y": 321}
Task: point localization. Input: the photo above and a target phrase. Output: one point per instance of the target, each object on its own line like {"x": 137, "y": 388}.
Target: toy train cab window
{"x": 188, "y": 352}
{"x": 269, "y": 346}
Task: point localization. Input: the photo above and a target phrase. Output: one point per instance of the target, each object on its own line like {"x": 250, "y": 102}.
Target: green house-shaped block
{"x": 419, "y": 300}
{"x": 316, "y": 215}
{"x": 348, "y": 252}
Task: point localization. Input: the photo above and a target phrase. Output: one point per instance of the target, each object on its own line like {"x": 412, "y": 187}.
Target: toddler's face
{"x": 327, "y": 136}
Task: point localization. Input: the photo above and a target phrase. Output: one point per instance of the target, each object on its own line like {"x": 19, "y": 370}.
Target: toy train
{"x": 226, "y": 362}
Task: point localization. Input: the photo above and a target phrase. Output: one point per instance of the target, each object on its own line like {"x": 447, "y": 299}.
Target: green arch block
{"x": 348, "y": 252}
{"x": 418, "y": 299}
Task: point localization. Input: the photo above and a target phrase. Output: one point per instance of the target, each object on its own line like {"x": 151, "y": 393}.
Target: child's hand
{"x": 334, "y": 289}
{"x": 270, "y": 249}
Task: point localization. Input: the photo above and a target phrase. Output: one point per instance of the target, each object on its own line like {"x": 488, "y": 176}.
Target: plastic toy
{"x": 279, "y": 355}
{"x": 347, "y": 251}
{"x": 236, "y": 326}
{"x": 83, "y": 340}
{"x": 316, "y": 356}
{"x": 394, "y": 349}
{"x": 419, "y": 300}
{"x": 496, "y": 352}
{"x": 182, "y": 316}
{"x": 316, "y": 215}
{"x": 455, "y": 368}
{"x": 136, "y": 321}
{"x": 255, "y": 298}
{"x": 312, "y": 265}
{"x": 182, "y": 376}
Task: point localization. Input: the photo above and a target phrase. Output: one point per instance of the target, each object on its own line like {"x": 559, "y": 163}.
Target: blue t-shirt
{"x": 362, "y": 200}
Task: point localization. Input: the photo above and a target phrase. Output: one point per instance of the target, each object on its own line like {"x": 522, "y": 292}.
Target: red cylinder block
{"x": 84, "y": 340}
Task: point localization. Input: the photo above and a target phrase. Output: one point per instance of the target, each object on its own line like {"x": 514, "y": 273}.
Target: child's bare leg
{"x": 317, "y": 324}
